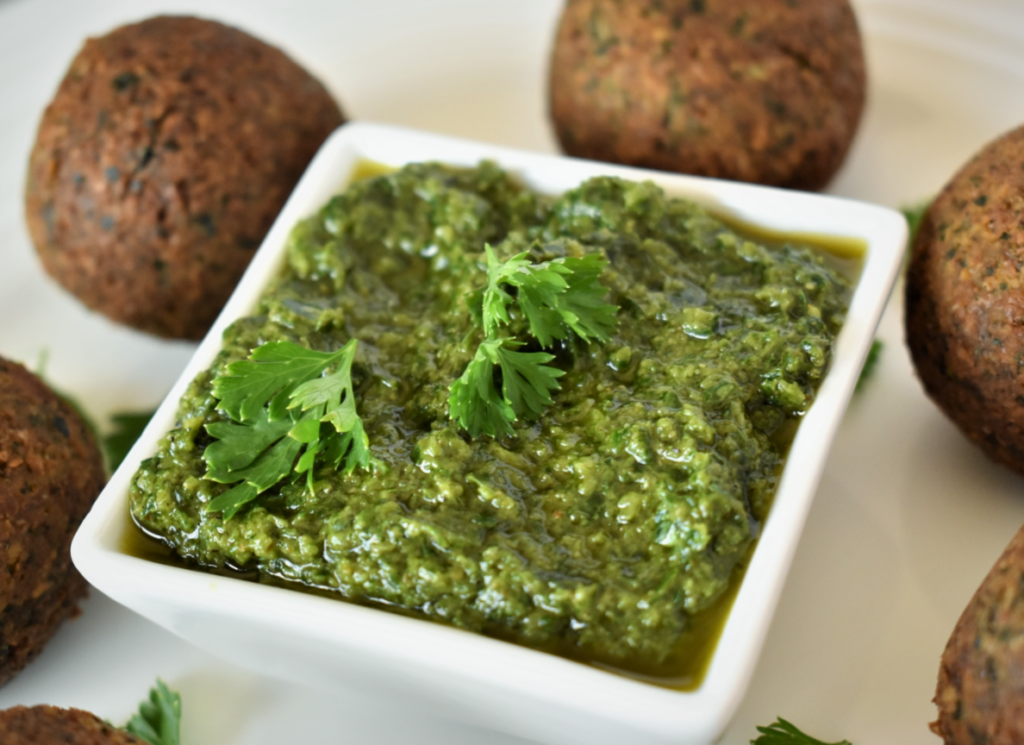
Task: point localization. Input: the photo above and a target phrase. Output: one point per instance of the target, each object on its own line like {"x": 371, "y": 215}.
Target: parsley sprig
{"x": 526, "y": 384}
{"x": 128, "y": 427}
{"x": 559, "y": 299}
{"x": 781, "y": 732}
{"x": 285, "y": 413}
{"x": 158, "y": 720}
{"x": 870, "y": 363}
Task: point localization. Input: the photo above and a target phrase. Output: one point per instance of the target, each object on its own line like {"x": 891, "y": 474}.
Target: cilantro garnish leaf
{"x": 526, "y": 384}
{"x": 781, "y": 732}
{"x": 158, "y": 720}
{"x": 351, "y": 447}
{"x": 870, "y": 363}
{"x": 249, "y": 384}
{"x": 558, "y": 299}
{"x": 526, "y": 378}
{"x": 495, "y": 298}
{"x": 268, "y": 468}
{"x": 128, "y": 427}
{"x": 582, "y": 305}
{"x": 284, "y": 412}
{"x": 238, "y": 445}
{"x": 475, "y": 403}
{"x": 231, "y": 501}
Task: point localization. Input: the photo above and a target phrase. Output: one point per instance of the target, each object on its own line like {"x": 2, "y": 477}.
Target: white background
{"x": 908, "y": 518}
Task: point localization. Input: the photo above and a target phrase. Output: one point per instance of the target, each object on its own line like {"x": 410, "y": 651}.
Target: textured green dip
{"x": 597, "y": 531}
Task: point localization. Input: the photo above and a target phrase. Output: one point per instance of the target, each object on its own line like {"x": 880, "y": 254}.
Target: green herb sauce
{"x": 606, "y": 529}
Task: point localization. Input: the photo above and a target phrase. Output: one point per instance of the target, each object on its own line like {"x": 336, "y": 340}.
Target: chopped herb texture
{"x": 576, "y": 406}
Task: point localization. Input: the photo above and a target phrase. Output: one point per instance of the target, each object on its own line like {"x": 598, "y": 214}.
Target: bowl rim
{"x": 585, "y": 690}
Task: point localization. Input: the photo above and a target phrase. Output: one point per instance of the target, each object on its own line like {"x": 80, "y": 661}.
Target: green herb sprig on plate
{"x": 158, "y": 720}
{"x": 559, "y": 299}
{"x": 781, "y": 732}
{"x": 870, "y": 363}
{"x": 914, "y": 215}
{"x": 285, "y": 414}
{"x": 128, "y": 427}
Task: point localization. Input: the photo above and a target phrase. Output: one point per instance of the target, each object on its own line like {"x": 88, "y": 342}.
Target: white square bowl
{"x": 453, "y": 673}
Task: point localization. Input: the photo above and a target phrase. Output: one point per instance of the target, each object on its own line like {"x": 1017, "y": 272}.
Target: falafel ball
{"x": 980, "y": 693}
{"x": 49, "y": 725}
{"x": 965, "y": 300}
{"x": 51, "y": 471}
{"x": 766, "y": 91}
{"x": 160, "y": 164}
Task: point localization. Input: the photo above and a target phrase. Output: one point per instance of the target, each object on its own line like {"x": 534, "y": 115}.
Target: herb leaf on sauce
{"x": 282, "y": 408}
{"x": 272, "y": 368}
{"x": 781, "y": 732}
{"x": 158, "y": 720}
{"x": 558, "y": 298}
{"x": 526, "y": 384}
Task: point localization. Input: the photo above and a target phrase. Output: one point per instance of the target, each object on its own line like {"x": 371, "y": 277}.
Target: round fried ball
{"x": 51, "y": 471}
{"x": 965, "y": 300}
{"x": 980, "y": 693}
{"x": 48, "y": 725}
{"x": 160, "y": 164}
{"x": 765, "y": 91}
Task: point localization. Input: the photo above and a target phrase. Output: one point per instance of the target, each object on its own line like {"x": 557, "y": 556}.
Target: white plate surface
{"x": 908, "y": 517}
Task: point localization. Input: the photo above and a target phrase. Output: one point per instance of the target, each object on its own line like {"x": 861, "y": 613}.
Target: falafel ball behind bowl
{"x": 964, "y": 309}
{"x": 162, "y": 161}
{"x": 764, "y": 91}
{"x": 51, "y": 471}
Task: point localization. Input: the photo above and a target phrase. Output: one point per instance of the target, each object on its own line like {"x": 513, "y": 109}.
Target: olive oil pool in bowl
{"x": 505, "y": 402}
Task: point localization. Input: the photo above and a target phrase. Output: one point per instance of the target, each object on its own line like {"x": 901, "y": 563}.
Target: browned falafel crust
{"x": 51, "y": 471}
{"x": 49, "y": 725}
{"x": 160, "y": 164}
{"x": 766, "y": 91}
{"x": 980, "y": 693}
{"x": 965, "y": 300}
